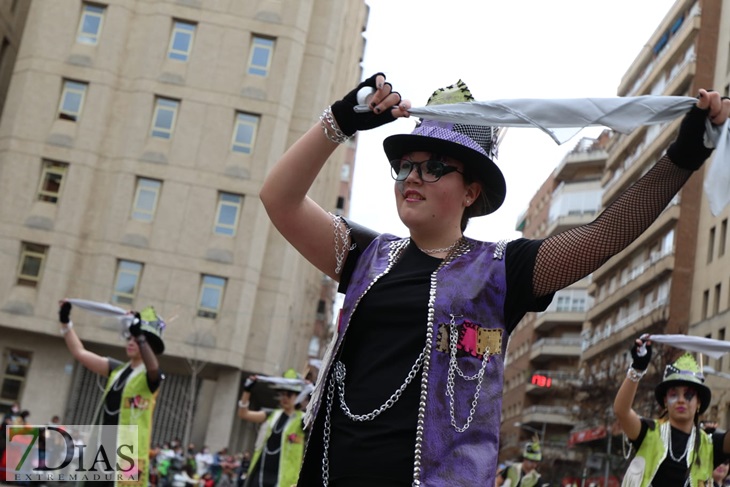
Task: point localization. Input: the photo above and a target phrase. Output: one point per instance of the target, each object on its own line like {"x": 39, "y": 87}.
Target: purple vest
{"x": 470, "y": 284}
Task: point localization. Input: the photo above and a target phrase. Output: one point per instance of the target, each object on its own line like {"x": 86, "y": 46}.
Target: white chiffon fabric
{"x": 562, "y": 118}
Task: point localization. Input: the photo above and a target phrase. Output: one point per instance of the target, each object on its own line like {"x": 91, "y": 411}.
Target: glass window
{"x": 52, "y": 176}
{"x": 229, "y": 207}
{"x": 127, "y": 281}
{"x": 32, "y": 257}
{"x": 72, "y": 100}
{"x": 181, "y": 41}
{"x": 259, "y": 60}
{"x": 14, "y": 372}
{"x": 145, "y": 199}
{"x": 163, "y": 120}
{"x": 211, "y": 296}
{"x": 244, "y": 133}
{"x": 92, "y": 17}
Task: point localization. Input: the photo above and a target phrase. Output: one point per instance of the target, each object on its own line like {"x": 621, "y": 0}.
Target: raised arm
{"x": 243, "y": 412}
{"x": 302, "y": 222}
{"x": 94, "y": 362}
{"x": 569, "y": 256}
{"x": 622, "y": 405}
{"x": 152, "y": 366}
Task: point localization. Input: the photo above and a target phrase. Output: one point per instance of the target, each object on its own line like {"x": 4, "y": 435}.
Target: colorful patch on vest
{"x": 137, "y": 402}
{"x": 472, "y": 340}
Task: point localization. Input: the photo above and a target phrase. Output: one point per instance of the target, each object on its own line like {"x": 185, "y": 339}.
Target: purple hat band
{"x": 445, "y": 131}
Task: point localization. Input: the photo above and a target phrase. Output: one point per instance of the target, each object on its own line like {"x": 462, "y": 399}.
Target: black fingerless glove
{"x": 64, "y": 312}
{"x": 350, "y": 121}
{"x": 248, "y": 385}
{"x": 135, "y": 329}
{"x": 688, "y": 151}
{"x": 641, "y": 362}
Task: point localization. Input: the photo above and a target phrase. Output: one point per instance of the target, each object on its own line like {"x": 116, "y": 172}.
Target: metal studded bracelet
{"x": 331, "y": 129}
{"x": 635, "y": 375}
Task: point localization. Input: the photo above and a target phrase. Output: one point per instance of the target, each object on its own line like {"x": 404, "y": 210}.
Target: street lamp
{"x": 539, "y": 433}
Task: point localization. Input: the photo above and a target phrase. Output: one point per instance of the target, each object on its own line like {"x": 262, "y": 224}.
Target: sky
{"x": 500, "y": 49}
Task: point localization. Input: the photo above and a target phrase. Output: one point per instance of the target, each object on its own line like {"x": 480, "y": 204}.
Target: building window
{"x": 716, "y": 301}
{"x": 259, "y": 59}
{"x": 723, "y": 238}
{"x": 92, "y": 18}
{"x": 127, "y": 281}
{"x": 145, "y": 199}
{"x": 181, "y": 41}
{"x": 32, "y": 257}
{"x": 163, "y": 120}
{"x": 15, "y": 369}
{"x": 711, "y": 245}
{"x": 244, "y": 133}
{"x": 211, "y": 296}
{"x": 52, "y": 176}
{"x": 229, "y": 208}
{"x": 72, "y": 100}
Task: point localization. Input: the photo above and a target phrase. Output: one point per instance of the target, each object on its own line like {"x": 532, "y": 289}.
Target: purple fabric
{"x": 443, "y": 130}
{"x": 474, "y": 286}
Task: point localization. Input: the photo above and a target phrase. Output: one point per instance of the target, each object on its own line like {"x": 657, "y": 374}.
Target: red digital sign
{"x": 541, "y": 380}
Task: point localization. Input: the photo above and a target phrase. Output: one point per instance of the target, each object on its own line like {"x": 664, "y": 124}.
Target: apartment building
{"x": 133, "y": 141}
{"x": 649, "y": 287}
{"x": 668, "y": 279}
{"x": 544, "y": 349}
{"x": 710, "y": 303}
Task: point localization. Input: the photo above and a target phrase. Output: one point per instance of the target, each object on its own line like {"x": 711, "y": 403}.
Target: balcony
{"x": 655, "y": 269}
{"x": 546, "y": 349}
{"x": 652, "y": 315}
{"x": 684, "y": 34}
{"x": 548, "y": 414}
{"x": 548, "y": 320}
{"x": 580, "y": 162}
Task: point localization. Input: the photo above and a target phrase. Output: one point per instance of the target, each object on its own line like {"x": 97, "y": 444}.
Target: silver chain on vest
{"x": 423, "y": 361}
{"x": 454, "y": 369}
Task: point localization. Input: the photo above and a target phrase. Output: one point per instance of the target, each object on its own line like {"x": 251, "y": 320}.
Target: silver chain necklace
{"x": 442, "y": 249}
{"x": 690, "y": 441}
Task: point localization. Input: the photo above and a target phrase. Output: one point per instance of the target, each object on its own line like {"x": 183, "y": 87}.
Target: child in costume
{"x": 410, "y": 390}
{"x": 523, "y": 473}
{"x": 132, "y": 386}
{"x": 673, "y": 450}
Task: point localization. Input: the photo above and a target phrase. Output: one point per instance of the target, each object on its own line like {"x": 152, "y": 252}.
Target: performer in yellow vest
{"x": 673, "y": 450}
{"x": 132, "y": 387}
{"x": 523, "y": 473}
{"x": 278, "y": 459}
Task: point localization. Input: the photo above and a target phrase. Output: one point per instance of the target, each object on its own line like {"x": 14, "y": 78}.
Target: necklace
{"x": 690, "y": 441}
{"x": 442, "y": 249}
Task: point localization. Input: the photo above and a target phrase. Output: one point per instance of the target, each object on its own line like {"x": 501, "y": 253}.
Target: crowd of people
{"x": 171, "y": 465}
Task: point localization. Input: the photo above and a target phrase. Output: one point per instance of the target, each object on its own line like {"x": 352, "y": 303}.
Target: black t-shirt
{"x": 269, "y": 457}
{"x": 671, "y": 473}
{"x": 113, "y": 399}
{"x": 395, "y": 311}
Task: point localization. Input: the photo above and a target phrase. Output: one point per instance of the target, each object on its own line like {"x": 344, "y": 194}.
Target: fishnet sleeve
{"x": 571, "y": 255}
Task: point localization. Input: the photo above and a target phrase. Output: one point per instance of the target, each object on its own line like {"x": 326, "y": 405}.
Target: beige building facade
{"x": 134, "y": 139}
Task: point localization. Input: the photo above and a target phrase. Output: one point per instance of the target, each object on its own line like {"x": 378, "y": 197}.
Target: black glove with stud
{"x": 64, "y": 312}
{"x": 688, "y": 151}
{"x": 350, "y": 121}
{"x": 248, "y": 385}
{"x": 641, "y": 355}
{"x": 135, "y": 329}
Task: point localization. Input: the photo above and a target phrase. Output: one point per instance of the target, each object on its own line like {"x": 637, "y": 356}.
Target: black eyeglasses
{"x": 401, "y": 168}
